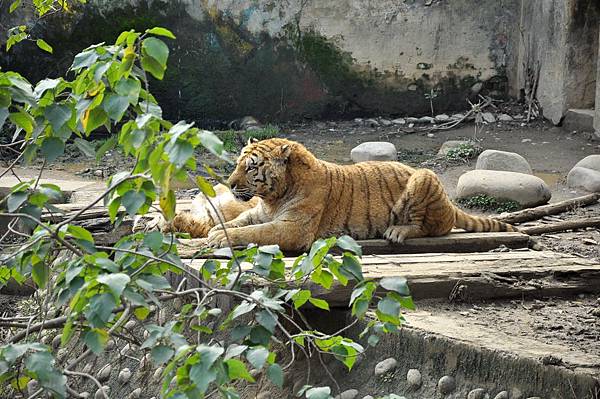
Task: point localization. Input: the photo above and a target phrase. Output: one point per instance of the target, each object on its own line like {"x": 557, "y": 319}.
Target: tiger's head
{"x": 262, "y": 169}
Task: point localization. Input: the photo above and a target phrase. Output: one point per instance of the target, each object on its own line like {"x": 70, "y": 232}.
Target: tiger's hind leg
{"x": 423, "y": 209}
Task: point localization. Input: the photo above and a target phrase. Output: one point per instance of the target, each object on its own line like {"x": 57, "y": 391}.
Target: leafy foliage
{"x": 463, "y": 152}
{"x": 100, "y": 289}
{"x": 487, "y": 203}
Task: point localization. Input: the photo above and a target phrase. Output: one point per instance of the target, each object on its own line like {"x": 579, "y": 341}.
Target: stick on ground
{"x": 552, "y": 209}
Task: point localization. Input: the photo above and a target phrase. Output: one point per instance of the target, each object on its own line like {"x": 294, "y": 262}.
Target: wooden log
{"x": 454, "y": 242}
{"x": 551, "y": 209}
{"x": 562, "y": 226}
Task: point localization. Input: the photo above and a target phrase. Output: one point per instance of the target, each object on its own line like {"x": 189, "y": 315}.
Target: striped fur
{"x": 304, "y": 198}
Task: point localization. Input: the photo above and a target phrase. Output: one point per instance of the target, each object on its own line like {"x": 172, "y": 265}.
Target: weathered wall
{"x": 597, "y": 109}
{"x": 281, "y": 59}
{"x": 562, "y": 35}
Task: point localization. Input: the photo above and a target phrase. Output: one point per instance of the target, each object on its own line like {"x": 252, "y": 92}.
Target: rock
{"x": 298, "y": 386}
{"x": 476, "y": 88}
{"x": 124, "y": 376}
{"x": 349, "y": 394}
{"x": 458, "y": 117}
{"x": 374, "y": 151}
{"x": 478, "y": 393}
{"x": 505, "y": 118}
{"x": 157, "y": 373}
{"x": 584, "y": 179}
{"x": 516, "y": 394}
{"x": 442, "y": 118}
{"x": 430, "y": 135}
{"x": 135, "y": 394}
{"x": 56, "y": 342}
{"x": 84, "y": 395}
{"x": 385, "y": 122}
{"x": 368, "y": 397}
{"x": 446, "y": 385}
{"x": 503, "y": 160}
{"x": 264, "y": 395}
{"x": 125, "y": 350}
{"x": 104, "y": 373}
{"x": 32, "y": 387}
{"x": 426, "y": 119}
{"x": 501, "y": 395}
{"x": 102, "y": 393}
{"x": 411, "y": 125}
{"x": 586, "y": 174}
{"x": 414, "y": 378}
{"x": 99, "y": 173}
{"x": 534, "y": 397}
{"x": 372, "y": 122}
{"x": 451, "y": 144}
{"x": 488, "y": 117}
{"x": 525, "y": 189}
{"x": 412, "y": 120}
{"x": 130, "y": 325}
{"x": 385, "y": 366}
{"x": 110, "y": 345}
{"x": 399, "y": 121}
{"x": 87, "y": 369}
{"x": 526, "y": 141}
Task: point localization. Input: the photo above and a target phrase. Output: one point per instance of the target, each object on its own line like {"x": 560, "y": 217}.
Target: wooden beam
{"x": 455, "y": 242}
{"x": 551, "y": 209}
{"x": 562, "y": 226}
{"x": 491, "y": 275}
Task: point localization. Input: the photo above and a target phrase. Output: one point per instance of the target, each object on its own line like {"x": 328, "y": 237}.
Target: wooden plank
{"x": 459, "y": 242}
{"x": 482, "y": 275}
{"x": 551, "y": 209}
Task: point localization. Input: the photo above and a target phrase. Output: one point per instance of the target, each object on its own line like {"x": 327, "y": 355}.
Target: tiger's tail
{"x": 478, "y": 223}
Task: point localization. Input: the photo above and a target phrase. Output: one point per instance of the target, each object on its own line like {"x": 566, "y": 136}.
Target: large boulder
{"x": 586, "y": 174}
{"x": 451, "y": 145}
{"x": 374, "y": 151}
{"x": 527, "y": 190}
{"x": 503, "y": 160}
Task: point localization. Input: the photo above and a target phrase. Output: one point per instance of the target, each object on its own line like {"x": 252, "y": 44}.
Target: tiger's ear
{"x": 285, "y": 150}
{"x": 252, "y": 140}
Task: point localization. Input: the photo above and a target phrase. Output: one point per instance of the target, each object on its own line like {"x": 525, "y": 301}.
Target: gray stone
{"x": 534, "y": 397}
{"x": 348, "y": 394}
{"x": 385, "y": 366}
{"x": 399, "y": 121}
{"x": 503, "y": 160}
{"x": 446, "y": 385}
{"x": 84, "y": 395}
{"x": 102, "y": 393}
{"x": 516, "y": 394}
{"x": 124, "y": 376}
{"x": 372, "y": 122}
{"x": 501, "y": 395}
{"x": 590, "y": 162}
{"x": 579, "y": 120}
{"x": 488, "y": 117}
{"x": 451, "y": 144}
{"x": 130, "y": 325}
{"x": 385, "y": 122}
{"x": 426, "y": 119}
{"x": 476, "y": 88}
{"x": 264, "y": 395}
{"x": 32, "y": 387}
{"x": 135, "y": 394}
{"x": 298, "y": 386}
{"x": 99, "y": 173}
{"x": 104, "y": 373}
{"x": 442, "y": 118}
{"x": 410, "y": 119}
{"x": 414, "y": 378}
{"x": 157, "y": 373}
{"x": 56, "y": 342}
{"x": 505, "y": 118}
{"x": 374, "y": 151}
{"x": 525, "y": 189}
{"x": 478, "y": 393}
{"x": 368, "y": 397}
{"x": 584, "y": 178}
{"x": 458, "y": 117}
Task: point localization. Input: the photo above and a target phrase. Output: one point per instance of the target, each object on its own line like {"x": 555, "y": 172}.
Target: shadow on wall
{"x": 218, "y": 71}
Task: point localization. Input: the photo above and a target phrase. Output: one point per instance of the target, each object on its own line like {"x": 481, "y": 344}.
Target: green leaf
{"x": 129, "y": 88}
{"x": 373, "y": 340}
{"x": 154, "y": 240}
{"x": 242, "y": 309}
{"x": 52, "y": 148}
{"x": 106, "y": 146}
{"x": 349, "y": 244}
{"x": 161, "y": 32}
{"x": 236, "y": 369}
{"x": 99, "y": 309}
{"x": 58, "y": 115}
{"x": 275, "y": 374}
{"x": 167, "y": 204}
{"x": 15, "y": 4}
{"x": 44, "y": 46}
{"x": 151, "y": 282}
{"x": 141, "y": 313}
{"x": 16, "y": 199}
{"x": 396, "y": 284}
{"x": 93, "y": 119}
{"x": 161, "y": 353}
{"x": 42, "y": 365}
{"x": 153, "y": 67}
{"x": 84, "y": 59}
{"x": 85, "y": 147}
{"x": 96, "y": 340}
{"x": 320, "y": 303}
{"x": 211, "y": 142}
{"x": 115, "y": 281}
{"x": 115, "y": 106}
{"x": 300, "y": 298}
{"x": 205, "y": 186}
{"x": 156, "y": 49}
{"x": 22, "y": 120}
{"x": 39, "y": 274}
{"x": 132, "y": 201}
{"x": 257, "y": 356}
{"x": 179, "y": 152}
{"x": 267, "y": 320}
{"x": 45, "y": 85}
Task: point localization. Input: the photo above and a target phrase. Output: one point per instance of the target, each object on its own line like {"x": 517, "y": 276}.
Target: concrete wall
{"x": 562, "y": 36}
{"x": 281, "y": 59}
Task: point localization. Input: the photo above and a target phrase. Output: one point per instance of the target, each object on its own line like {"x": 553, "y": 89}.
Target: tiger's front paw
{"x": 395, "y": 234}
{"x": 217, "y": 238}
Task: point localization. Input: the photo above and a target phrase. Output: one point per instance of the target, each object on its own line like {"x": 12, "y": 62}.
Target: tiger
{"x": 303, "y": 198}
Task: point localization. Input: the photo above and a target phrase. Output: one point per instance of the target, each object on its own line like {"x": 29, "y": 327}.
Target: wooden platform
{"x": 488, "y": 275}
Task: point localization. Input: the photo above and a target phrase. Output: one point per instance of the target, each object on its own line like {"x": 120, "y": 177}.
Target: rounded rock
{"x": 503, "y": 160}
{"x": 451, "y": 145}
{"x": 124, "y": 376}
{"x": 348, "y": 394}
{"x": 135, "y": 394}
{"x": 104, "y": 373}
{"x": 502, "y": 395}
{"x": 102, "y": 393}
{"x": 584, "y": 179}
{"x": 385, "y": 366}
{"x": 264, "y": 395}
{"x": 110, "y": 345}
{"x": 442, "y": 118}
{"x": 84, "y": 395}
{"x": 157, "y": 373}
{"x": 56, "y": 342}
{"x": 446, "y": 385}
{"x": 374, "y": 151}
{"x": 478, "y": 393}
{"x": 368, "y": 397}
{"x": 130, "y": 325}
{"x": 87, "y": 369}
{"x": 525, "y": 189}
{"x": 414, "y": 378}
{"x": 32, "y": 387}
{"x": 297, "y": 386}
{"x": 99, "y": 173}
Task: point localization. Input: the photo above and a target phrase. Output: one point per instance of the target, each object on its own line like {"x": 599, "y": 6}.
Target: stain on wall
{"x": 292, "y": 59}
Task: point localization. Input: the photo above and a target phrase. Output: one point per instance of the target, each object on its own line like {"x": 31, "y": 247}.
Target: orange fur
{"x": 304, "y": 198}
